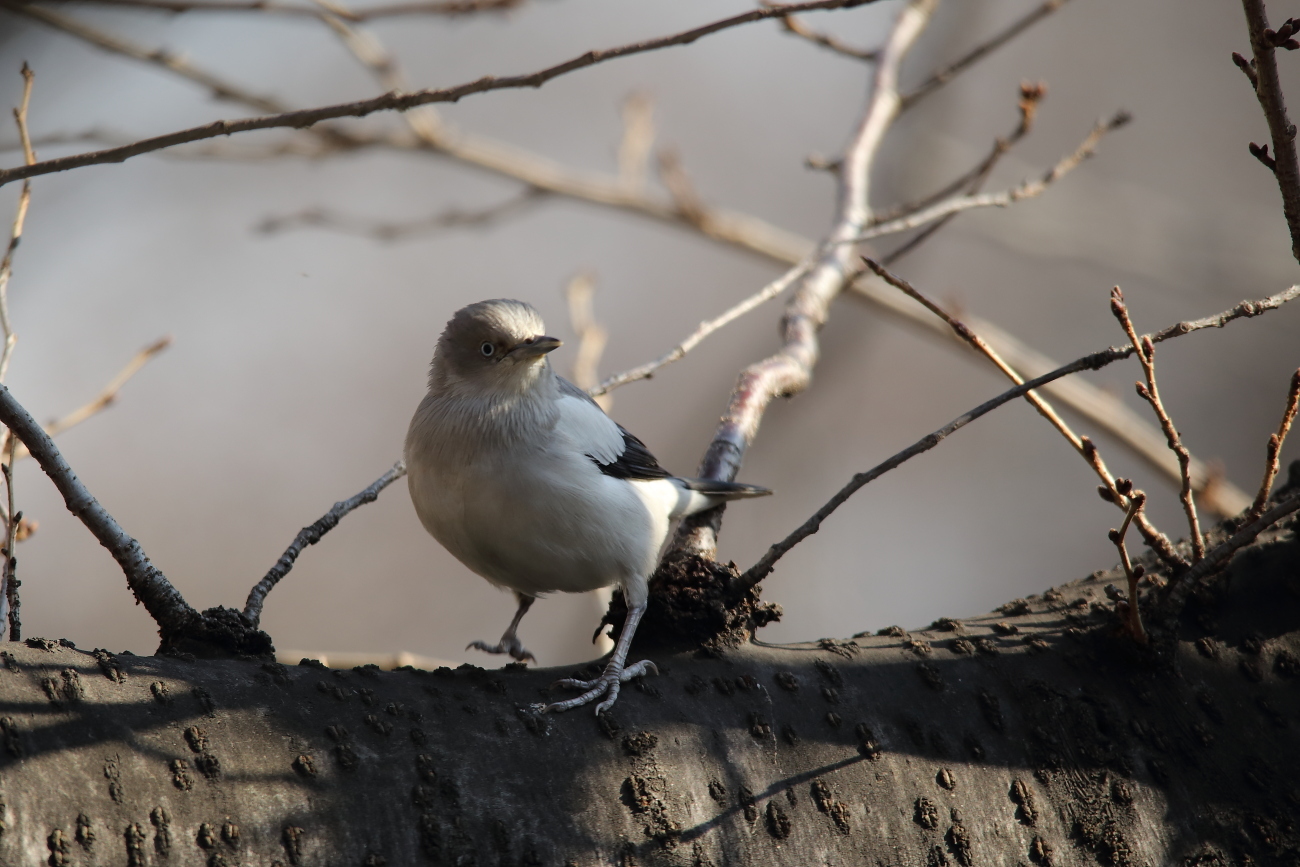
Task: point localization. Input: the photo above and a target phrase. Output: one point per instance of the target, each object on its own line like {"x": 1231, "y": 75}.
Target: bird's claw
{"x": 607, "y": 685}
{"x": 512, "y": 647}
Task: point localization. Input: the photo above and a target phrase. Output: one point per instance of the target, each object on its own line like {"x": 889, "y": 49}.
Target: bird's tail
{"x": 724, "y": 490}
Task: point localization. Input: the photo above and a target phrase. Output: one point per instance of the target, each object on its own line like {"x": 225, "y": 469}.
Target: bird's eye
{"x": 487, "y": 349}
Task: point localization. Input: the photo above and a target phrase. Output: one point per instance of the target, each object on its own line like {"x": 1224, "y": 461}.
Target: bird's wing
{"x": 614, "y": 451}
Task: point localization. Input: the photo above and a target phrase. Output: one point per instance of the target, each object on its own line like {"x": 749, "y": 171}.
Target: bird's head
{"x": 492, "y": 346}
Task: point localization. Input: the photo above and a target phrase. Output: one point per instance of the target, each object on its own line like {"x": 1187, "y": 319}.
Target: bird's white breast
{"x": 512, "y": 494}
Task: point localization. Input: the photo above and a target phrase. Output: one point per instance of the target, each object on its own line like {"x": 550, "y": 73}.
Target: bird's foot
{"x": 607, "y": 685}
{"x": 509, "y": 645}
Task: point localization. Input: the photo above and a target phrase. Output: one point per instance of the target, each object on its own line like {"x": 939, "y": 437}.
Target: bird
{"x": 523, "y": 478}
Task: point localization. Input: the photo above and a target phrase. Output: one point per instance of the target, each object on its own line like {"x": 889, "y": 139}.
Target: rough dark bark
{"x": 1033, "y": 735}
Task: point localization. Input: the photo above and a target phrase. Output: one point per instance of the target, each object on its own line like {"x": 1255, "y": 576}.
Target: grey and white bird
{"x": 525, "y": 480}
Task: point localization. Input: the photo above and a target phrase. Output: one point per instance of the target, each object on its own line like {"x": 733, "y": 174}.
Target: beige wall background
{"x": 299, "y": 356}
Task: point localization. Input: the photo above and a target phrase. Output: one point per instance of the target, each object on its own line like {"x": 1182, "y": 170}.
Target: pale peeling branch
{"x": 1096, "y": 361}
{"x": 312, "y": 534}
{"x": 789, "y": 370}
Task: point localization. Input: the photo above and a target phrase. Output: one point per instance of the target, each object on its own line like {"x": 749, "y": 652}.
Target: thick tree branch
{"x": 1096, "y": 361}
{"x": 1268, "y": 89}
{"x": 403, "y": 101}
{"x": 151, "y": 588}
{"x": 312, "y": 534}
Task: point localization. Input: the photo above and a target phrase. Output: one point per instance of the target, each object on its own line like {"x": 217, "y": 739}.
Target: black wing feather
{"x": 636, "y": 462}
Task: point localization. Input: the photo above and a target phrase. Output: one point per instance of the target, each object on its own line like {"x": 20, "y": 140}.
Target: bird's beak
{"x": 535, "y": 346}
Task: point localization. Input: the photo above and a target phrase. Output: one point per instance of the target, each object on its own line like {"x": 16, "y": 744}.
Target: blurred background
{"x": 300, "y": 354}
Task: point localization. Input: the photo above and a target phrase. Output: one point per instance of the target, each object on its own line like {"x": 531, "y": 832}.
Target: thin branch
{"x": 974, "y": 179}
{"x": 388, "y": 10}
{"x": 151, "y": 588}
{"x": 753, "y": 235}
{"x": 1219, "y": 555}
{"x": 793, "y": 25}
{"x": 790, "y": 369}
{"x": 646, "y": 371}
{"x": 310, "y": 536}
{"x": 952, "y": 70}
{"x": 384, "y": 230}
{"x": 1275, "y": 442}
{"x": 1085, "y": 447}
{"x": 16, "y": 232}
{"x": 1146, "y": 354}
{"x": 592, "y": 336}
{"x": 1268, "y": 90}
{"x": 404, "y": 101}
{"x": 637, "y": 142}
{"x": 1006, "y": 198}
{"x": 1098, "y": 406}
{"x": 173, "y": 63}
{"x": 108, "y": 396}
{"x": 1137, "y": 500}
{"x": 686, "y": 200}
{"x": 1096, "y": 361}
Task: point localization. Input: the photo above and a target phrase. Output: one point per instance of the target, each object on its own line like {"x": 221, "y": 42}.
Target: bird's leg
{"x": 509, "y": 642}
{"x": 616, "y": 673}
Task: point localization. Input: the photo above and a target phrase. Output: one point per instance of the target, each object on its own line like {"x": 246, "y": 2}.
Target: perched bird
{"x": 525, "y": 480}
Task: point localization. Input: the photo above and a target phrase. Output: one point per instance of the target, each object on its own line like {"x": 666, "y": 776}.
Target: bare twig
{"x": 1268, "y": 90}
{"x": 952, "y": 70}
{"x": 1146, "y": 354}
{"x": 753, "y": 235}
{"x": 592, "y": 336}
{"x": 1274, "y": 449}
{"x": 793, "y": 25}
{"x": 388, "y": 10}
{"x": 403, "y": 101}
{"x": 1006, "y": 198}
{"x": 638, "y": 140}
{"x": 973, "y": 180}
{"x": 106, "y": 398}
{"x": 16, "y": 232}
{"x": 387, "y": 230}
{"x": 1096, "y": 361}
{"x": 1219, "y": 555}
{"x": 789, "y": 370}
{"x": 151, "y": 588}
{"x": 310, "y": 536}
{"x": 1085, "y": 447}
{"x": 686, "y": 201}
{"x": 174, "y": 63}
{"x": 645, "y": 371}
{"x": 1137, "y": 500}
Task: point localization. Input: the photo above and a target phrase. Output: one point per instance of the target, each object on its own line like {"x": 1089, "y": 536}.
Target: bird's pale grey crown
{"x": 490, "y": 343}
